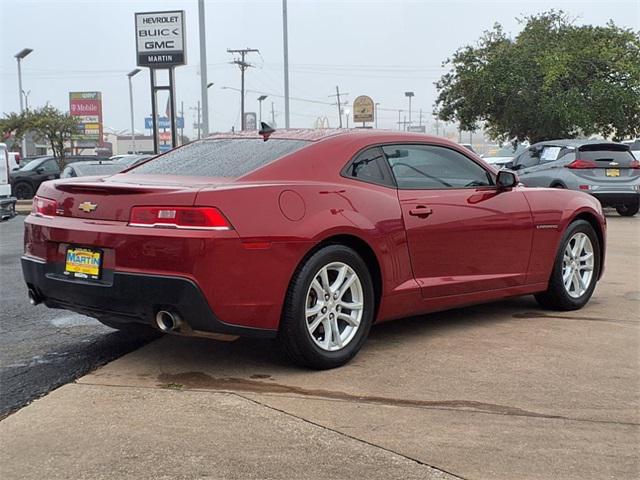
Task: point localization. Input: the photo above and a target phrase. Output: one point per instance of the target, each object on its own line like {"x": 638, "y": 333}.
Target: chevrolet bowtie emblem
{"x": 88, "y": 207}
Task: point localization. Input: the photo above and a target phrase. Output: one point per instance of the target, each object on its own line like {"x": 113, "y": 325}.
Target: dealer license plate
{"x": 83, "y": 263}
{"x": 613, "y": 172}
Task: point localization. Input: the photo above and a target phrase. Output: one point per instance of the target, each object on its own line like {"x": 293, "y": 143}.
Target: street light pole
{"x": 130, "y": 75}
{"x": 399, "y": 119}
{"x": 285, "y": 42}
{"x": 204, "y": 88}
{"x": 375, "y": 113}
{"x": 19, "y": 56}
{"x": 410, "y": 95}
{"x": 261, "y": 98}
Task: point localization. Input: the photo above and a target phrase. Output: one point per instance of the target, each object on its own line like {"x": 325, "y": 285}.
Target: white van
{"x": 7, "y": 202}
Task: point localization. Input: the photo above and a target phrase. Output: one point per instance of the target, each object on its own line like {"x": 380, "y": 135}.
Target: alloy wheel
{"x": 334, "y": 306}
{"x": 577, "y": 265}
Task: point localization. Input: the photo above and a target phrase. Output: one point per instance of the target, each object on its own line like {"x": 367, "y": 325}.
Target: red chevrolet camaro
{"x": 308, "y": 236}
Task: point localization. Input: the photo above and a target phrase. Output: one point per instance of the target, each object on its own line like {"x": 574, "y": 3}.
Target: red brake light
{"x": 635, "y": 164}
{"x": 205, "y": 218}
{"x": 43, "y": 207}
{"x": 580, "y": 164}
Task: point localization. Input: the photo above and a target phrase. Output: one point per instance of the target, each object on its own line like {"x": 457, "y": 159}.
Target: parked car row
{"x": 35, "y": 170}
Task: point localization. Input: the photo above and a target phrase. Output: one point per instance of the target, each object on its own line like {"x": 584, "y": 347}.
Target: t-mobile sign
{"x": 160, "y": 39}
{"x": 87, "y": 108}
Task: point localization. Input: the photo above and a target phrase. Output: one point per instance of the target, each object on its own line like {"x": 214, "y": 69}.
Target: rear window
{"x": 607, "y": 154}
{"x": 220, "y": 158}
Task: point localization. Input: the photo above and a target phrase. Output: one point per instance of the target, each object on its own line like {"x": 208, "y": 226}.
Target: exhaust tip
{"x": 167, "y": 321}
{"x": 34, "y": 298}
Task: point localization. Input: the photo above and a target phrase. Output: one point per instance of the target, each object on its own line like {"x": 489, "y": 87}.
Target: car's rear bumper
{"x": 129, "y": 297}
{"x": 613, "y": 199}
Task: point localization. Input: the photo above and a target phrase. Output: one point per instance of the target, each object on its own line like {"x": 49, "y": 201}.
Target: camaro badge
{"x": 88, "y": 207}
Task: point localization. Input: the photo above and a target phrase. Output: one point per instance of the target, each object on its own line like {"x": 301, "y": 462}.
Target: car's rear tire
{"x": 575, "y": 271}
{"x": 132, "y": 328}
{"x": 628, "y": 209}
{"x": 328, "y": 309}
{"x": 23, "y": 190}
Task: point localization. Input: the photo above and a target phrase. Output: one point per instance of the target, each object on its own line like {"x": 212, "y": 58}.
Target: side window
{"x": 430, "y": 166}
{"x": 369, "y": 166}
{"x": 50, "y": 166}
{"x": 528, "y": 158}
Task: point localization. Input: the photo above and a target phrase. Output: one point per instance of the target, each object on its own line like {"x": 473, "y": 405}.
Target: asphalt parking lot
{"x": 504, "y": 390}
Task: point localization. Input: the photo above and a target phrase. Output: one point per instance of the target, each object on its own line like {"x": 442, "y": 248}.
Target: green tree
{"x": 14, "y": 125}
{"x": 553, "y": 80}
{"x": 55, "y": 127}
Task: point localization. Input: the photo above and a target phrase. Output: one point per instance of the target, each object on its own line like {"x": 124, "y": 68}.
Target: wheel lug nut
{"x": 326, "y": 296}
{"x": 331, "y": 316}
{"x": 324, "y": 309}
{"x": 338, "y": 308}
{"x": 335, "y": 296}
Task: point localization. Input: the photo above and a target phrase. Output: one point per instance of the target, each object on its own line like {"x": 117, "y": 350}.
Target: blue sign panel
{"x": 163, "y": 122}
{"x": 164, "y": 147}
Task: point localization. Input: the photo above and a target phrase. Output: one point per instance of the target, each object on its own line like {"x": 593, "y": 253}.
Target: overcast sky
{"x": 375, "y": 48}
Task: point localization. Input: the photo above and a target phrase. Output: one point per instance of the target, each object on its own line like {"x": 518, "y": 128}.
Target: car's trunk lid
{"x": 113, "y": 197}
{"x": 613, "y": 163}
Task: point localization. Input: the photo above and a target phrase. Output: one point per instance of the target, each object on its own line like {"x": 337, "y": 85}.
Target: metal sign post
{"x": 160, "y": 45}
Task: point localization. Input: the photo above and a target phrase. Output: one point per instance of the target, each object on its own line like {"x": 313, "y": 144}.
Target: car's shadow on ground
{"x": 249, "y": 353}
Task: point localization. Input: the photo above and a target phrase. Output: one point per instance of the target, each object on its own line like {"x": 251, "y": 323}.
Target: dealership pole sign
{"x": 160, "y": 39}
{"x": 87, "y": 108}
{"x": 160, "y": 44}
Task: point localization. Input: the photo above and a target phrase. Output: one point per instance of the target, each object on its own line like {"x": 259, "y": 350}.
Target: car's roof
{"x": 317, "y": 134}
{"x": 574, "y": 142}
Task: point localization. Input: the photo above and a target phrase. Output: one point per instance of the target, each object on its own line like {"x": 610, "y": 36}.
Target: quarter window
{"x": 369, "y": 166}
{"x": 433, "y": 167}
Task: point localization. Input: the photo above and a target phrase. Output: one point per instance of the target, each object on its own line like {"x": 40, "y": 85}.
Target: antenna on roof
{"x": 265, "y": 131}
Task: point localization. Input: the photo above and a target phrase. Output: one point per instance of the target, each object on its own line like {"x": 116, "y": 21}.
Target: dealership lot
{"x": 503, "y": 390}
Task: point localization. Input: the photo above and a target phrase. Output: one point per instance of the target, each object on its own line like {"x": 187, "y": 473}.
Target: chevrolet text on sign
{"x": 160, "y": 39}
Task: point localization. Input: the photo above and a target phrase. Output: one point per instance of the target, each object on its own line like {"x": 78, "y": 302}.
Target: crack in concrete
{"x": 568, "y": 317}
{"x": 202, "y": 381}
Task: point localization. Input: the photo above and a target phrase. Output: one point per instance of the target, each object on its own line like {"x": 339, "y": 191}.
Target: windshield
{"x": 509, "y": 151}
{"x": 220, "y": 157}
{"x": 32, "y": 165}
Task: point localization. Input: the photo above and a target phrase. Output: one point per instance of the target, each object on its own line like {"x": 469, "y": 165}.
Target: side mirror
{"x": 506, "y": 180}
{"x": 39, "y": 170}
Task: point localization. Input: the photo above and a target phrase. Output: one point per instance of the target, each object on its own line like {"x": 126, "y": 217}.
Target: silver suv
{"x": 606, "y": 170}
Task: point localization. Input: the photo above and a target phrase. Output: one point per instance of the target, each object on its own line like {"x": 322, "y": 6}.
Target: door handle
{"x": 421, "y": 211}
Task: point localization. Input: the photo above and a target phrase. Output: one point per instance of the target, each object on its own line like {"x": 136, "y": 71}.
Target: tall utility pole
{"x": 19, "y": 56}
{"x": 182, "y": 128}
{"x": 198, "y": 124}
{"x": 285, "y": 44}
{"x": 243, "y": 66}
{"x": 273, "y": 116}
{"x": 399, "y": 119}
{"x": 133, "y": 72}
{"x": 204, "y": 93}
{"x": 375, "y": 113}
{"x": 339, "y": 104}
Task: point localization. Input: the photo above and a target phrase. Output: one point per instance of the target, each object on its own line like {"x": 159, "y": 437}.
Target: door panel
{"x": 467, "y": 240}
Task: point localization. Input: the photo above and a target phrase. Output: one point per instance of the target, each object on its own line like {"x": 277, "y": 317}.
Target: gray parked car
{"x": 606, "y": 170}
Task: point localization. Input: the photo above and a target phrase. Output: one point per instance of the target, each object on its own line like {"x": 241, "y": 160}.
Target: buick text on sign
{"x": 160, "y": 39}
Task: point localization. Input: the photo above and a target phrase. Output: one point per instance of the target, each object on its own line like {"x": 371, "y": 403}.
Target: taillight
{"x": 43, "y": 207}
{"x": 580, "y": 164}
{"x": 635, "y": 164}
{"x": 202, "y": 218}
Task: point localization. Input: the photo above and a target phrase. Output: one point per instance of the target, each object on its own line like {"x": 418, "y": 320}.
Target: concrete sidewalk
{"x": 506, "y": 391}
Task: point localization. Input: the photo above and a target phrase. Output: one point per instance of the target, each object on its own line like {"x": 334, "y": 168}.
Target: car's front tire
{"x": 328, "y": 310}
{"x": 23, "y": 190}
{"x": 628, "y": 209}
{"x": 576, "y": 269}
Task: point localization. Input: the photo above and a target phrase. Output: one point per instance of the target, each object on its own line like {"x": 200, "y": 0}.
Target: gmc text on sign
{"x": 160, "y": 39}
